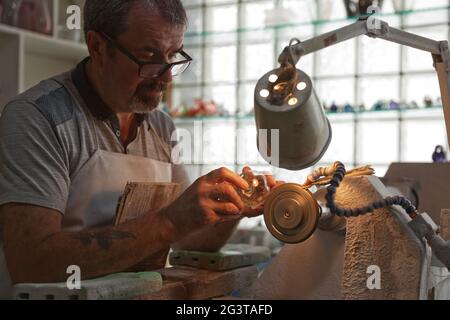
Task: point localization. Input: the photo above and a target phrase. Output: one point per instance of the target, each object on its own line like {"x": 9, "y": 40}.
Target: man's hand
{"x": 207, "y": 214}
{"x": 271, "y": 183}
{"x": 211, "y": 199}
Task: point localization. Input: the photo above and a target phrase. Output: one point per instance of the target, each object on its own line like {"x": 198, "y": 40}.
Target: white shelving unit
{"x": 27, "y": 57}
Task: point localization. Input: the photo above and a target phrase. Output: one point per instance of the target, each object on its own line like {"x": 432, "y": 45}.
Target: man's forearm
{"x": 97, "y": 252}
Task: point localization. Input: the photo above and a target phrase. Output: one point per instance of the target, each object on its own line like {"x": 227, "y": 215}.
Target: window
{"x": 235, "y": 42}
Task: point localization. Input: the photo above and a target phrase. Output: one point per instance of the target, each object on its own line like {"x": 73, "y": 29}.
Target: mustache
{"x": 155, "y": 86}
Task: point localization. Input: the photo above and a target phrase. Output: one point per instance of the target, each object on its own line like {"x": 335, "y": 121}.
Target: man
{"x": 69, "y": 145}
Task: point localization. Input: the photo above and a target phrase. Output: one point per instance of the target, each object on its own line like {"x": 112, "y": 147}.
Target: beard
{"x": 142, "y": 102}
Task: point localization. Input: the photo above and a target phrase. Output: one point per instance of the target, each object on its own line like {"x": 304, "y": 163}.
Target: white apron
{"x": 96, "y": 188}
{"x": 95, "y": 191}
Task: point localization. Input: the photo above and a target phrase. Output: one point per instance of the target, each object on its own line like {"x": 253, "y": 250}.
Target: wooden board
{"x": 186, "y": 283}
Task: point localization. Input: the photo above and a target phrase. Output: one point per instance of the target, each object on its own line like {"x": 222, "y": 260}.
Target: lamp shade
{"x": 304, "y": 132}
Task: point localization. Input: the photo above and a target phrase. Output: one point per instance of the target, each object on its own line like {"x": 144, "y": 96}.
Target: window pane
{"x": 428, "y": 16}
{"x": 246, "y": 98}
{"x": 221, "y": 18}
{"x": 256, "y": 61}
{"x": 221, "y": 63}
{"x": 342, "y": 142}
{"x": 188, "y": 3}
{"x": 338, "y": 59}
{"x": 195, "y": 26}
{"x": 422, "y": 131}
{"x": 220, "y": 1}
{"x": 418, "y": 86}
{"x": 339, "y": 90}
{"x": 302, "y": 32}
{"x": 331, "y": 9}
{"x": 377, "y": 56}
{"x": 418, "y": 60}
{"x": 301, "y": 10}
{"x": 222, "y": 22}
{"x": 398, "y": 5}
{"x": 223, "y": 96}
{"x": 254, "y": 22}
{"x": 377, "y": 141}
{"x": 185, "y": 96}
{"x": 373, "y": 89}
{"x": 255, "y": 13}
{"x": 429, "y": 4}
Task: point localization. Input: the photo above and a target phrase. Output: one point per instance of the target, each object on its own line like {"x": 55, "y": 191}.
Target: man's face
{"x": 149, "y": 38}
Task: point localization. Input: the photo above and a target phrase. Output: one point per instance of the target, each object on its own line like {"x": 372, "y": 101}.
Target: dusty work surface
{"x": 231, "y": 256}
{"x": 186, "y": 283}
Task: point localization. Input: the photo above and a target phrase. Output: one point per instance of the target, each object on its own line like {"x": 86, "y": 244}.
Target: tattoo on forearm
{"x": 104, "y": 238}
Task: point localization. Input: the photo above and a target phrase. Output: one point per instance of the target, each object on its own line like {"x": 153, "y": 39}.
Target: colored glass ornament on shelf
{"x": 428, "y": 102}
{"x": 200, "y": 109}
{"x": 334, "y": 108}
{"x": 393, "y": 105}
{"x": 439, "y": 155}
{"x": 35, "y": 15}
{"x": 348, "y": 108}
{"x": 31, "y": 15}
{"x": 378, "y": 106}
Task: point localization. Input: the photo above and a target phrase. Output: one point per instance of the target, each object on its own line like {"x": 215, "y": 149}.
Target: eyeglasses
{"x": 154, "y": 69}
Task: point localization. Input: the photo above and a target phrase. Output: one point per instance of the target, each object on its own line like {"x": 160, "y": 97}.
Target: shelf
{"x": 365, "y": 114}
{"x": 47, "y": 45}
{"x": 313, "y": 23}
{"x": 213, "y": 118}
{"x": 55, "y": 47}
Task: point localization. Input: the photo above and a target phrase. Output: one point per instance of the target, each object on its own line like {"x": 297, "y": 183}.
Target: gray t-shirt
{"x": 46, "y": 138}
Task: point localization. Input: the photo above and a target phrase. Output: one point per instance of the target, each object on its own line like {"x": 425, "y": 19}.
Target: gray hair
{"x": 109, "y": 16}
